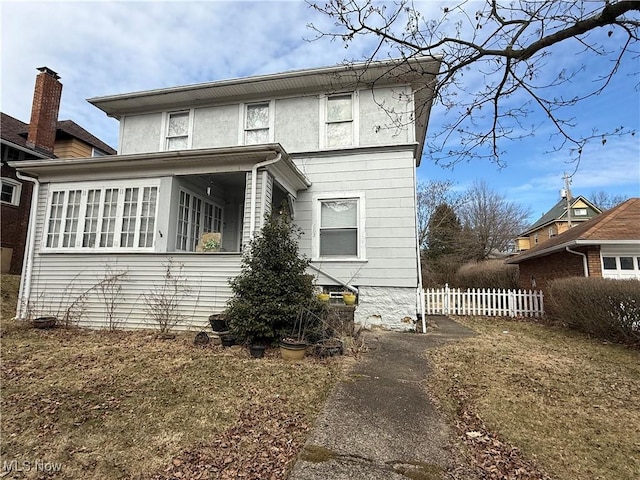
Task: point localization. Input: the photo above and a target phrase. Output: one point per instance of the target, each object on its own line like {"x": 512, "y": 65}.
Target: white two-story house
{"x": 340, "y": 144}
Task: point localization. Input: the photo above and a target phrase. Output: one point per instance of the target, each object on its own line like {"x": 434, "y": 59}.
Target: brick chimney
{"x": 44, "y": 110}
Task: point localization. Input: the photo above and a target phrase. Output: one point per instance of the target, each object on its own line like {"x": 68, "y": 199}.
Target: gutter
{"x": 585, "y": 264}
{"x": 335, "y": 279}
{"x": 27, "y": 261}
{"x": 254, "y": 186}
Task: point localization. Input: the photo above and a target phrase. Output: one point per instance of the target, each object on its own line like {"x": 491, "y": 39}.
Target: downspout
{"x": 585, "y": 264}
{"x": 254, "y": 186}
{"x": 420, "y": 291}
{"x": 335, "y": 279}
{"x": 27, "y": 261}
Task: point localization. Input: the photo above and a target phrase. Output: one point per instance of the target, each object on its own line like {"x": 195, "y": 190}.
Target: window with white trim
{"x": 256, "y": 125}
{"x": 339, "y": 121}
{"x": 195, "y": 217}
{"x": 177, "y": 131}
{"x": 340, "y": 225}
{"x": 580, "y": 212}
{"x": 102, "y": 218}
{"x": 11, "y": 190}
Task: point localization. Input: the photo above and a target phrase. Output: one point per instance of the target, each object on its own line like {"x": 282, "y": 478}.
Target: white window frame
{"x": 619, "y": 272}
{"x": 78, "y": 232}
{"x": 580, "y": 212}
{"x": 189, "y": 135}
{"x": 324, "y": 121}
{"x": 16, "y": 192}
{"x": 243, "y": 116}
{"x": 359, "y": 196}
{"x": 193, "y": 234}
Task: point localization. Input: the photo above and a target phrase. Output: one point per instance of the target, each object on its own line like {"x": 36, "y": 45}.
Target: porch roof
{"x": 181, "y": 162}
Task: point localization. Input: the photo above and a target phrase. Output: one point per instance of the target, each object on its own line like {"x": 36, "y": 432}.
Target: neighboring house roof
{"x": 11, "y": 132}
{"x": 71, "y": 128}
{"x": 618, "y": 225}
{"x": 15, "y": 131}
{"x": 558, "y": 212}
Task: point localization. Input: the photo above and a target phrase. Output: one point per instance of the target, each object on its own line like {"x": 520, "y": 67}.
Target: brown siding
{"x": 15, "y": 220}
{"x": 72, "y": 148}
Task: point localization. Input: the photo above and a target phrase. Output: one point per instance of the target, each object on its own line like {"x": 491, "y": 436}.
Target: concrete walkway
{"x": 380, "y": 423}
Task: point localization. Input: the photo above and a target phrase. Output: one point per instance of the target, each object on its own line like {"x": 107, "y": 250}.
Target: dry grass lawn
{"x": 570, "y": 403}
{"x": 130, "y": 405}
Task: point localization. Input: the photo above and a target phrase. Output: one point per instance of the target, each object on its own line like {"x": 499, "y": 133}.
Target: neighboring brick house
{"x": 606, "y": 246}
{"x": 43, "y": 138}
{"x": 556, "y": 221}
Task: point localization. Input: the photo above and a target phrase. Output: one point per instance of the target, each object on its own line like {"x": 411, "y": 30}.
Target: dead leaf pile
{"x": 262, "y": 444}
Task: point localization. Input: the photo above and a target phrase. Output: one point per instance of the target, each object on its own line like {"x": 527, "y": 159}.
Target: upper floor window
{"x": 13, "y": 154}
{"x": 11, "y": 190}
{"x": 177, "y": 131}
{"x": 102, "y": 217}
{"x": 339, "y": 121}
{"x": 580, "y": 212}
{"x": 96, "y": 152}
{"x": 552, "y": 232}
{"x": 256, "y": 127}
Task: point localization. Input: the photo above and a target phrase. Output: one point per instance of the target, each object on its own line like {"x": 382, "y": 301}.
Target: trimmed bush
{"x": 272, "y": 285}
{"x": 487, "y": 274}
{"x": 605, "y": 308}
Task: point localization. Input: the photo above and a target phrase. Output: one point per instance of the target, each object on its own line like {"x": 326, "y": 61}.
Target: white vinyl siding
{"x": 101, "y": 218}
{"x": 195, "y": 217}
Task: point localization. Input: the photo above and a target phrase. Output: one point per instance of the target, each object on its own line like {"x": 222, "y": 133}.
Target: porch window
{"x": 257, "y": 124}
{"x": 340, "y": 234}
{"x": 11, "y": 190}
{"x": 339, "y": 121}
{"x": 195, "y": 217}
{"x": 177, "y": 131}
{"x": 102, "y": 218}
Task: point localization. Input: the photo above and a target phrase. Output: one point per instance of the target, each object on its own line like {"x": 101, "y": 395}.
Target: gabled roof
{"x": 15, "y": 131}
{"x": 558, "y": 212}
{"x": 71, "y": 128}
{"x": 619, "y": 225}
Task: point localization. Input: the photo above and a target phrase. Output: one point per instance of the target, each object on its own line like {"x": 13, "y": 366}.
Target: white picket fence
{"x": 484, "y": 302}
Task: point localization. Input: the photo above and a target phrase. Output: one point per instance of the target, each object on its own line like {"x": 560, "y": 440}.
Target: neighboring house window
{"x": 609, "y": 263}
{"x": 178, "y": 131}
{"x": 256, "y": 126}
{"x": 552, "y": 232}
{"x": 622, "y": 266}
{"x": 102, "y": 218}
{"x": 626, "y": 263}
{"x": 11, "y": 190}
{"x": 535, "y": 239}
{"x": 580, "y": 212}
{"x": 95, "y": 152}
{"x": 13, "y": 154}
{"x": 339, "y": 121}
{"x": 195, "y": 217}
{"x": 340, "y": 227}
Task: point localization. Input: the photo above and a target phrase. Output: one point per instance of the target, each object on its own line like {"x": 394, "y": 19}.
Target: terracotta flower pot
{"x": 293, "y": 350}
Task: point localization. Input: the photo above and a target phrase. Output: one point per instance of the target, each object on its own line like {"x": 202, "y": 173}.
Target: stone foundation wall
{"x": 392, "y": 308}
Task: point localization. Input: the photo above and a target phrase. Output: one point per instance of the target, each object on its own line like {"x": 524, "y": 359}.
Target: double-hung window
{"x": 195, "y": 217}
{"x": 109, "y": 217}
{"x": 256, "y": 126}
{"x": 339, "y": 121}
{"x": 340, "y": 223}
{"x": 177, "y": 131}
{"x": 11, "y": 190}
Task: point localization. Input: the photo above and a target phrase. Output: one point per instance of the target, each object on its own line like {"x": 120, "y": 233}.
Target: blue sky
{"x": 102, "y": 48}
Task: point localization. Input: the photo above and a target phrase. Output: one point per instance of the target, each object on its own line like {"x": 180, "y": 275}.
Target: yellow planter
{"x": 349, "y": 298}
{"x": 323, "y": 297}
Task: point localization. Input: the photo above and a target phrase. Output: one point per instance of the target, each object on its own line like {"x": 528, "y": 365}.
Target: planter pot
{"x": 292, "y": 351}
{"x": 227, "y": 341}
{"x": 257, "y": 351}
{"x": 330, "y": 348}
{"x": 218, "y": 324}
{"x": 324, "y": 297}
{"x": 201, "y": 339}
{"x": 44, "y": 322}
{"x": 349, "y": 298}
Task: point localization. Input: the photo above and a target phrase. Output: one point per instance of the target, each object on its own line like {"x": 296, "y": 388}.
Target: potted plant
{"x": 210, "y": 242}
{"x": 349, "y": 298}
{"x": 324, "y": 297}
